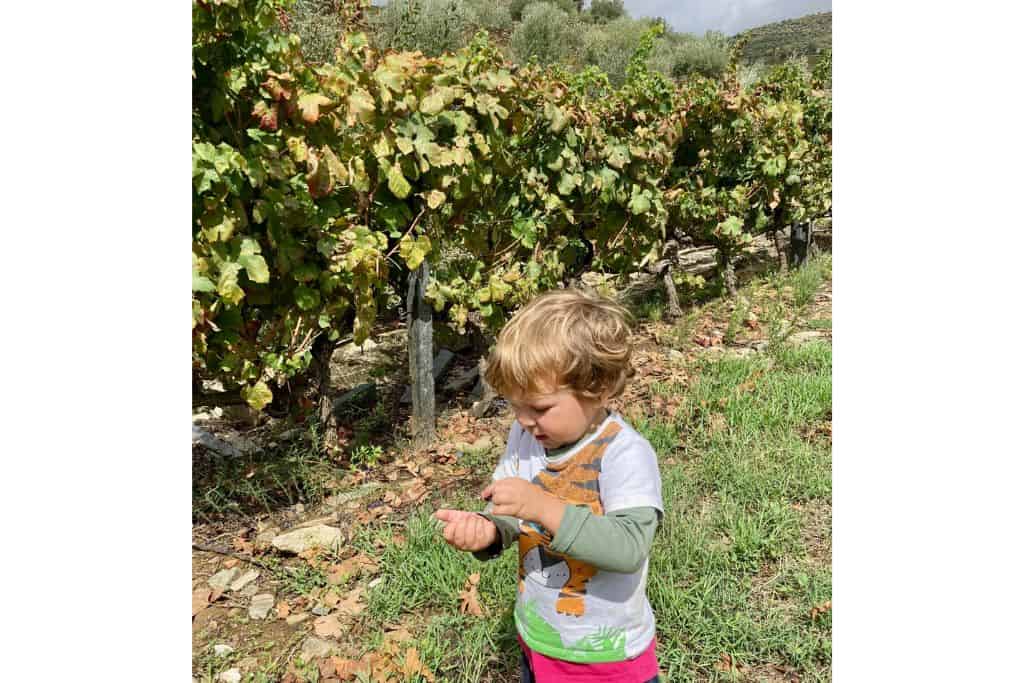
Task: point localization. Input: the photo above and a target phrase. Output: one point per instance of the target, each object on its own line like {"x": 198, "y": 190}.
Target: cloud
{"x": 728, "y": 16}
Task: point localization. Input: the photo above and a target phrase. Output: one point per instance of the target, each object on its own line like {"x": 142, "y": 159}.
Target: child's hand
{"x": 517, "y": 497}
{"x": 467, "y": 530}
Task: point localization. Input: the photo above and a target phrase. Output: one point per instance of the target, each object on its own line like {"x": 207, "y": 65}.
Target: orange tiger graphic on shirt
{"x": 574, "y": 481}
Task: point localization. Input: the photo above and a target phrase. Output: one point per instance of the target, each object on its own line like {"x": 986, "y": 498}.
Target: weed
{"x": 365, "y": 455}
{"x": 736, "y": 319}
{"x": 260, "y": 481}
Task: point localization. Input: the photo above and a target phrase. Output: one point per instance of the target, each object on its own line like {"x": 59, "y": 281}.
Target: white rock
{"x": 314, "y": 647}
{"x": 222, "y": 579}
{"x": 231, "y": 676}
{"x": 303, "y": 539}
{"x": 241, "y": 582}
{"x": 260, "y": 606}
{"x": 222, "y": 650}
{"x": 806, "y": 336}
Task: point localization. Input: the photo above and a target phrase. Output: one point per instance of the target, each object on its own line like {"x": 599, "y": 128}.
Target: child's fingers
{"x": 487, "y": 492}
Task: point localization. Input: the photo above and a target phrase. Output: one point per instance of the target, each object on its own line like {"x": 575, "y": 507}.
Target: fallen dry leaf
{"x": 397, "y": 634}
{"x": 470, "y": 599}
{"x": 327, "y": 627}
{"x": 416, "y": 492}
{"x": 821, "y": 609}
{"x": 326, "y": 667}
{"x": 283, "y": 610}
{"x": 331, "y": 599}
{"x": 348, "y": 669}
{"x": 200, "y": 600}
{"x": 727, "y": 664}
{"x": 242, "y": 545}
{"x": 230, "y": 562}
{"x": 412, "y": 665}
{"x": 351, "y": 605}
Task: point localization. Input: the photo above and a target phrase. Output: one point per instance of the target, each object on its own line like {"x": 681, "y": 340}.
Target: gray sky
{"x": 728, "y": 16}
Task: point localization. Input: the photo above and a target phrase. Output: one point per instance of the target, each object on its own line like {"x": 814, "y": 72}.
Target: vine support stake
{"x": 421, "y": 357}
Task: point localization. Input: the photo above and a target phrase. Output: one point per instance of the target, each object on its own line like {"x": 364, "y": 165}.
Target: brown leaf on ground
{"x": 327, "y": 627}
{"x": 200, "y": 600}
{"x": 331, "y": 599}
{"x": 727, "y": 664}
{"x": 375, "y": 512}
{"x": 469, "y": 598}
{"x": 327, "y": 668}
{"x": 358, "y": 564}
{"x": 242, "y": 545}
{"x": 818, "y": 610}
{"x": 427, "y": 472}
{"x": 231, "y": 562}
{"x": 283, "y": 610}
{"x": 349, "y": 669}
{"x": 350, "y": 605}
{"x": 416, "y": 492}
{"x": 397, "y": 633}
{"x": 412, "y": 665}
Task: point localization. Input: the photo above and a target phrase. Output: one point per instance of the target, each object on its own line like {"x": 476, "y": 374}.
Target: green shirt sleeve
{"x": 508, "y": 533}
{"x": 619, "y": 541}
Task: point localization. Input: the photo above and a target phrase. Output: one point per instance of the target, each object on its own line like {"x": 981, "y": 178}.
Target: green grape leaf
{"x": 201, "y": 283}
{"x": 435, "y": 198}
{"x": 258, "y": 395}
{"x": 413, "y": 251}
{"x": 306, "y": 298}
{"x": 639, "y": 204}
{"x": 397, "y": 183}
{"x": 255, "y": 267}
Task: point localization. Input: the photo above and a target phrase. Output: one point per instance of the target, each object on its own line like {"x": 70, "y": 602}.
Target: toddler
{"x": 577, "y": 489}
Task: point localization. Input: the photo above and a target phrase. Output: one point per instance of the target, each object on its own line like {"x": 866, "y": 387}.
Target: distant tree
{"x": 547, "y": 33}
{"x": 517, "y": 7}
{"x": 604, "y": 11}
{"x": 319, "y": 26}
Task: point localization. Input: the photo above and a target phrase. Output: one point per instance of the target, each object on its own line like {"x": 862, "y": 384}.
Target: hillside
{"x": 772, "y": 43}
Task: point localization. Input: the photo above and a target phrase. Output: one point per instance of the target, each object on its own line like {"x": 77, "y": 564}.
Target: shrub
{"x": 431, "y": 26}
{"x": 488, "y": 14}
{"x": 546, "y": 33}
{"x": 610, "y": 46}
{"x": 319, "y": 25}
{"x": 517, "y": 8}
{"x": 604, "y": 11}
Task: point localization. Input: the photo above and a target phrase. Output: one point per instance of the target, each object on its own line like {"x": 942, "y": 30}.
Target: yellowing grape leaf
{"x": 310, "y": 105}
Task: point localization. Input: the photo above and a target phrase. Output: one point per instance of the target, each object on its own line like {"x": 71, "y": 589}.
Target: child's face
{"x": 555, "y": 419}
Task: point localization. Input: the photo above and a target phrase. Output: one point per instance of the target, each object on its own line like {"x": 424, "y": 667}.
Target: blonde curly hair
{"x": 564, "y": 339}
